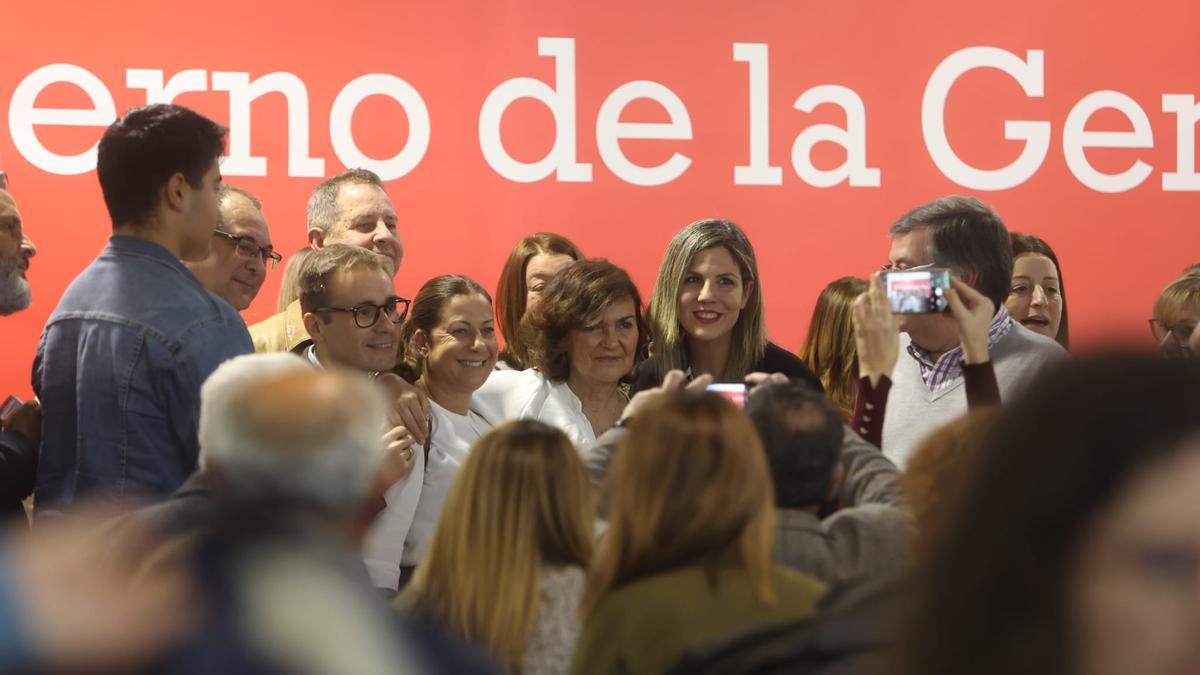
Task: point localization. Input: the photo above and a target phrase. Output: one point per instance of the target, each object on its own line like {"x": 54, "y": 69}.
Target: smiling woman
{"x": 584, "y": 337}
{"x": 707, "y": 311}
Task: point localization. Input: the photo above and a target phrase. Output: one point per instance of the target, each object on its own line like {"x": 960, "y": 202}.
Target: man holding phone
{"x": 967, "y": 238}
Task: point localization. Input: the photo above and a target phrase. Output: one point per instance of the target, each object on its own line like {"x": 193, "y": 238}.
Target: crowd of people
{"x": 540, "y": 481}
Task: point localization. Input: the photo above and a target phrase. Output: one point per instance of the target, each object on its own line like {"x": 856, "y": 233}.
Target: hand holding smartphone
{"x": 734, "y": 391}
{"x": 917, "y": 291}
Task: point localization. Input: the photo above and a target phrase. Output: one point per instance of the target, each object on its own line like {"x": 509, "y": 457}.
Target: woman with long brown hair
{"x": 505, "y": 568}
{"x": 687, "y": 556}
{"x": 531, "y": 264}
{"x": 829, "y": 347}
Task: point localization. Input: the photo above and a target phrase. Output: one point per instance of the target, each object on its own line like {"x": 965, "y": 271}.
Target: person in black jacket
{"x": 21, "y": 432}
{"x": 706, "y": 314}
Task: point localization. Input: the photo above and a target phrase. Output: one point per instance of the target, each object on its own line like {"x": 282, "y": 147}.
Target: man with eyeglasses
{"x": 351, "y": 208}
{"x": 241, "y": 250}
{"x": 927, "y": 385}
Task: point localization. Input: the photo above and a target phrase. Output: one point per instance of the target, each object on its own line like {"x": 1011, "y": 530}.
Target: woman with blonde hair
{"x": 707, "y": 313}
{"x": 829, "y": 347}
{"x": 531, "y": 264}
{"x": 505, "y": 568}
{"x": 1176, "y": 313}
{"x": 687, "y": 556}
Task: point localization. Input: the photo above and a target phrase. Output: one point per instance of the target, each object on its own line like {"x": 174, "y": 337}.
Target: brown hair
{"x": 426, "y": 312}
{"x": 1023, "y": 244}
{"x": 749, "y": 335}
{"x": 511, "y": 291}
{"x": 322, "y": 205}
{"x": 829, "y": 349}
{"x": 575, "y": 298}
{"x": 690, "y": 486}
{"x": 316, "y": 272}
{"x": 522, "y": 499}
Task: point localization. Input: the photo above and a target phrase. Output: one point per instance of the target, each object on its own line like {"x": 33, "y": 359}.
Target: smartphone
{"x": 734, "y": 391}
{"x": 7, "y": 409}
{"x": 917, "y": 292}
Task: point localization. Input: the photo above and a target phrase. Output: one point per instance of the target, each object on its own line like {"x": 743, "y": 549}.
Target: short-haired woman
{"x": 531, "y": 264}
{"x": 707, "y": 311}
{"x": 1176, "y": 313}
{"x": 584, "y": 336}
{"x": 687, "y": 556}
{"x": 506, "y": 565}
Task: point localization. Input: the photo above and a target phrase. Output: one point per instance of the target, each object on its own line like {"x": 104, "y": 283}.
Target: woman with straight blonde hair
{"x": 505, "y": 568}
{"x": 687, "y": 556}
{"x": 706, "y": 314}
{"x": 829, "y": 348}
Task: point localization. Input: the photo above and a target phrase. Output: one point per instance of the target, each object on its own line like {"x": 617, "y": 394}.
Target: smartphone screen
{"x": 735, "y": 392}
{"x": 917, "y": 292}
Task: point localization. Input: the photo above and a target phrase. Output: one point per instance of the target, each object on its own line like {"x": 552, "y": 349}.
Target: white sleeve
{"x": 507, "y": 395}
{"x": 384, "y": 542}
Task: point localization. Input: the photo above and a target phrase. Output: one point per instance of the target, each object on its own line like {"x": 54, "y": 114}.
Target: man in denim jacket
{"x": 121, "y": 360}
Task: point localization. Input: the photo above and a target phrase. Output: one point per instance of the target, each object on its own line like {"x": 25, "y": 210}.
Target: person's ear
{"x": 835, "y": 484}
{"x": 420, "y": 342}
{"x": 313, "y": 324}
{"x": 175, "y": 192}
{"x": 316, "y": 239}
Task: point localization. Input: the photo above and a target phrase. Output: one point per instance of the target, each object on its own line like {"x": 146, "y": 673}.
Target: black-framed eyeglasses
{"x": 1181, "y": 332}
{"x": 248, "y": 248}
{"x": 366, "y": 314}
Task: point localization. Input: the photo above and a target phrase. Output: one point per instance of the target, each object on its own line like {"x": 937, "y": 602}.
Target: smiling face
{"x": 712, "y": 295}
{"x": 365, "y": 219}
{"x": 226, "y": 273}
{"x": 1035, "y": 297}
{"x": 340, "y": 341}
{"x": 538, "y": 271}
{"x": 603, "y": 352}
{"x": 1138, "y": 577}
{"x": 462, "y": 348}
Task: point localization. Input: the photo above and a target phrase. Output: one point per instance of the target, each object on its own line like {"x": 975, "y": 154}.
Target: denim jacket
{"x": 119, "y": 368}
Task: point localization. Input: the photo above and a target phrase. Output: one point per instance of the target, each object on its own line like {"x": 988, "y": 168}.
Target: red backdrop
{"x": 1120, "y": 239}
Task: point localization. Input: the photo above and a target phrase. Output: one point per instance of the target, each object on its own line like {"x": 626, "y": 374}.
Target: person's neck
{"x": 453, "y": 399}
{"x": 152, "y": 233}
{"x": 709, "y": 356}
{"x": 595, "y": 396}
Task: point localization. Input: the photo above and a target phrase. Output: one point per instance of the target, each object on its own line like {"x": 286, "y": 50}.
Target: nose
{"x": 1039, "y": 297}
{"x": 28, "y": 249}
{"x": 706, "y": 292}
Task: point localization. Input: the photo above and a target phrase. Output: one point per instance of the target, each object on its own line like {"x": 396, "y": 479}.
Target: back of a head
{"x": 967, "y": 236}
{"x": 309, "y": 437}
{"x": 829, "y": 348}
{"x": 801, "y": 432}
{"x": 511, "y": 290}
{"x": 521, "y": 500}
{"x": 690, "y": 487}
{"x": 1045, "y": 471}
{"x": 323, "y": 203}
{"x": 144, "y": 148}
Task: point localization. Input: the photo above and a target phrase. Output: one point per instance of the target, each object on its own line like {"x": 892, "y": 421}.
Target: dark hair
{"x": 140, "y": 152}
{"x": 511, "y": 291}
{"x": 574, "y": 298}
{"x": 801, "y": 432}
{"x": 967, "y": 236}
{"x": 1027, "y": 243}
{"x": 424, "y": 314}
{"x": 992, "y": 597}
{"x": 318, "y": 270}
{"x": 322, "y": 205}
